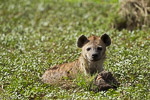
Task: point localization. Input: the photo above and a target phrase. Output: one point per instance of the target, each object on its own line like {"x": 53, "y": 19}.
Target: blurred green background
{"x": 37, "y": 34}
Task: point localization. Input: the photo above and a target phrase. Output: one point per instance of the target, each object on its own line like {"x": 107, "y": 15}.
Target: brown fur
{"x": 84, "y": 64}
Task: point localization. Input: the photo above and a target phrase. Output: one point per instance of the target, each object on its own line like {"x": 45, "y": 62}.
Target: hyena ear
{"x": 81, "y": 41}
{"x": 106, "y": 39}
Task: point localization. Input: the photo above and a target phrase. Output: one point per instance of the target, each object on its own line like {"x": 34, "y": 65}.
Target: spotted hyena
{"x": 90, "y": 61}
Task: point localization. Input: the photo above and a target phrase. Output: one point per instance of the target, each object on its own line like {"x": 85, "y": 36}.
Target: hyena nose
{"x": 94, "y": 56}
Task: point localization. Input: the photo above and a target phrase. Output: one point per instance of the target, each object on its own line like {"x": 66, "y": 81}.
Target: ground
{"x": 37, "y": 34}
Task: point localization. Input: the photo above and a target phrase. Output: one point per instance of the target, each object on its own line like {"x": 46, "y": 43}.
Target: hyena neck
{"x": 90, "y": 67}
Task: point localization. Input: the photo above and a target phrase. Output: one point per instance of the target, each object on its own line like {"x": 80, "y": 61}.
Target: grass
{"x": 37, "y": 34}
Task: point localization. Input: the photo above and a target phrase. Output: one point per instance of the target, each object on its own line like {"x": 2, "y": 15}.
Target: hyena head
{"x": 94, "y": 47}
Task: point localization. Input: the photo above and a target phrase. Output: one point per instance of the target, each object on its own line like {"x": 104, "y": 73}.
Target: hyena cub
{"x": 90, "y": 62}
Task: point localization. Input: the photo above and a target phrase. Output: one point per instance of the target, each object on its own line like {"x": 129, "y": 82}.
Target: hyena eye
{"x": 99, "y": 48}
{"x": 88, "y": 49}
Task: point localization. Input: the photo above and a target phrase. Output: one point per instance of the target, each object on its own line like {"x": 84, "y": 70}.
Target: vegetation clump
{"x": 133, "y": 14}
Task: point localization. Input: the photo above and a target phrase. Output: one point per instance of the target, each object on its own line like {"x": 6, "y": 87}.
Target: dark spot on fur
{"x": 68, "y": 72}
{"x": 55, "y": 67}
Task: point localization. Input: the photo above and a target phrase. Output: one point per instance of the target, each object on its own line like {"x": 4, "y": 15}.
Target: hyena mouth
{"x": 96, "y": 59}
